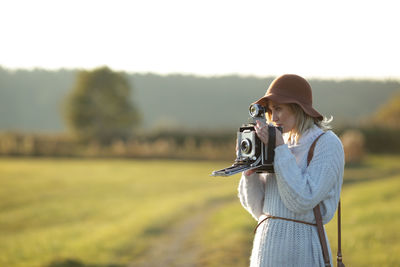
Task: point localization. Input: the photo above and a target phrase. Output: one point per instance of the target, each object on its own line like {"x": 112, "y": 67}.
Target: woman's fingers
{"x": 261, "y": 124}
{"x": 262, "y": 131}
{"x": 249, "y": 172}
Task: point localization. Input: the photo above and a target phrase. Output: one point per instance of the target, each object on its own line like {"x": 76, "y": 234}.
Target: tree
{"x": 99, "y": 107}
{"x": 389, "y": 114}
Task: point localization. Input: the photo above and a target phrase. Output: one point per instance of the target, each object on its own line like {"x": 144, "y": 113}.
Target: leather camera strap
{"x": 339, "y": 252}
{"x": 321, "y": 234}
{"x": 271, "y": 143}
{"x": 318, "y": 217}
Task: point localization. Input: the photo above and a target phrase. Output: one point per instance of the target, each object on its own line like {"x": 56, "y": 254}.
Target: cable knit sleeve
{"x": 251, "y": 193}
{"x": 301, "y": 192}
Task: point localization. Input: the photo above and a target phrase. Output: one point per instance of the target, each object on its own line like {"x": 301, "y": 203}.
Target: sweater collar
{"x": 307, "y": 138}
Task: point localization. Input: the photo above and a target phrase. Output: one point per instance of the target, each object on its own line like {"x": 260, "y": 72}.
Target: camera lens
{"x": 254, "y": 111}
{"x": 245, "y": 146}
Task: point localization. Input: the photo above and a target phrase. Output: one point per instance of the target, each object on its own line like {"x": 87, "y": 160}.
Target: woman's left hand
{"x": 262, "y": 132}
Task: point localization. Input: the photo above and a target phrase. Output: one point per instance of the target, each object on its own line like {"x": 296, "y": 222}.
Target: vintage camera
{"x": 252, "y": 153}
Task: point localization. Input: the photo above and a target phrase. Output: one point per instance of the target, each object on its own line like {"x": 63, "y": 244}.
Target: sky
{"x": 341, "y": 38}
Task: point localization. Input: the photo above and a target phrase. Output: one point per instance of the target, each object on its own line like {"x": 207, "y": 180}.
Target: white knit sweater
{"x": 292, "y": 192}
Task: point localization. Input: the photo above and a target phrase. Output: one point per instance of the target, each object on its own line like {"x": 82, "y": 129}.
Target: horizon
{"x": 240, "y": 75}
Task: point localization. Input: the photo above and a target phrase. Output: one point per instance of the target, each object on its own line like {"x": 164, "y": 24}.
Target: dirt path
{"x": 176, "y": 248}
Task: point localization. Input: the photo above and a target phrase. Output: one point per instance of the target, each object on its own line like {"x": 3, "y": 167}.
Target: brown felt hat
{"x": 290, "y": 88}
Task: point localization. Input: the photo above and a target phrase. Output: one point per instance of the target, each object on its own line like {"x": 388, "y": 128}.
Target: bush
{"x": 353, "y": 145}
{"x": 381, "y": 140}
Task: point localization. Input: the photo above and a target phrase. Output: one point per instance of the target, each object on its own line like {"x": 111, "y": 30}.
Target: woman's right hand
{"x": 249, "y": 172}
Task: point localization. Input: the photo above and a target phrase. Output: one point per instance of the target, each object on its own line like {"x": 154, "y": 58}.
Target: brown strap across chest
{"x": 311, "y": 150}
{"x": 317, "y": 213}
{"x": 318, "y": 219}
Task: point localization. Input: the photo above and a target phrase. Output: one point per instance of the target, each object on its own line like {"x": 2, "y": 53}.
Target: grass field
{"x": 121, "y": 213}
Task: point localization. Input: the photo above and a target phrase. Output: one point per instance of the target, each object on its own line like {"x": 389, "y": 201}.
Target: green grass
{"x": 95, "y": 211}
{"x": 98, "y": 213}
{"x": 370, "y": 223}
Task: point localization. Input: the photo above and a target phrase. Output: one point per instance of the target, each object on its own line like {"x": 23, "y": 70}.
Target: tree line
{"x": 32, "y": 100}
{"x": 103, "y": 120}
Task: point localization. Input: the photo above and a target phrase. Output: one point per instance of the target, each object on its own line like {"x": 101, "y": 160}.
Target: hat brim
{"x": 263, "y": 101}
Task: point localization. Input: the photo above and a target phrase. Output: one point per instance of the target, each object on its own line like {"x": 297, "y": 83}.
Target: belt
{"x": 281, "y": 218}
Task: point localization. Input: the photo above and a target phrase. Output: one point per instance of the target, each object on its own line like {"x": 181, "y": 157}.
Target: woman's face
{"x": 282, "y": 115}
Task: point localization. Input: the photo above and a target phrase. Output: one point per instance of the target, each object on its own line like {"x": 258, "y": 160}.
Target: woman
{"x": 294, "y": 189}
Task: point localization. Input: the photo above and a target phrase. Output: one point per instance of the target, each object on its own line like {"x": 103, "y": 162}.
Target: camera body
{"x": 252, "y": 153}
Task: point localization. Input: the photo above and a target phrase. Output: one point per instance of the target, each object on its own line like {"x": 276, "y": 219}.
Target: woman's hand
{"x": 262, "y": 133}
{"x": 249, "y": 172}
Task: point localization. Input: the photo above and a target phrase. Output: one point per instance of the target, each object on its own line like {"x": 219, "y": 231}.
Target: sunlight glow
{"x": 311, "y": 38}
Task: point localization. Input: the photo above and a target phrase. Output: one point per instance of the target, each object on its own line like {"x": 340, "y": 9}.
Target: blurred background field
{"x": 105, "y": 212}
{"x": 114, "y": 113}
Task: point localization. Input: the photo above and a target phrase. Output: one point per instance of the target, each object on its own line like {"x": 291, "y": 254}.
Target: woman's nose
{"x": 274, "y": 117}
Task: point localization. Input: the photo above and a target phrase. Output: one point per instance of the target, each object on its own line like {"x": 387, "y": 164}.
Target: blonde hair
{"x": 303, "y": 122}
